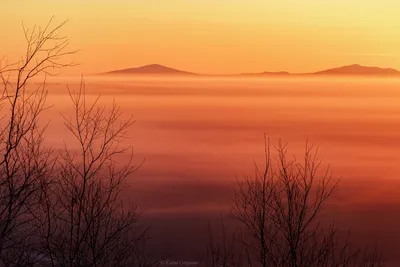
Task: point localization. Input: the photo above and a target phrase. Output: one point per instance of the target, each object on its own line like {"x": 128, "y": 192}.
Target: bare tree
{"x": 279, "y": 210}
{"x": 84, "y": 220}
{"x": 66, "y": 209}
{"x": 24, "y": 160}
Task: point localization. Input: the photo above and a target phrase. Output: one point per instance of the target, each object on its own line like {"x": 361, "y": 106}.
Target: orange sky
{"x": 224, "y": 36}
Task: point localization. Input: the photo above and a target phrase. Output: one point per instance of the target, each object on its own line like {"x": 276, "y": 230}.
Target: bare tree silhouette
{"x": 279, "y": 212}
{"x": 84, "y": 221}
{"x": 62, "y": 209}
{"x": 25, "y": 161}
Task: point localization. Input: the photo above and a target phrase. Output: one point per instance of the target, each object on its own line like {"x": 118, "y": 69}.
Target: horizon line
{"x": 277, "y": 73}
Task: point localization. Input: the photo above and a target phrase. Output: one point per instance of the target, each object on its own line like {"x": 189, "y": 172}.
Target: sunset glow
{"x": 216, "y": 36}
{"x": 129, "y": 142}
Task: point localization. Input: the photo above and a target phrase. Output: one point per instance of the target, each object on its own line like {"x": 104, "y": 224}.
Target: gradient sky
{"x": 223, "y": 36}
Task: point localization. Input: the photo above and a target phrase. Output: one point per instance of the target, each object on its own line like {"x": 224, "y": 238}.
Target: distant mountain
{"x": 154, "y": 69}
{"x": 357, "y": 69}
{"x": 353, "y": 70}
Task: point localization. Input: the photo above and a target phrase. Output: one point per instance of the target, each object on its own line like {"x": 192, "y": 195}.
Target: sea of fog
{"x": 199, "y": 136}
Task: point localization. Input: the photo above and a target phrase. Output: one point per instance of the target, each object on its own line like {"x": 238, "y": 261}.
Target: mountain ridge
{"x": 150, "y": 69}
{"x": 357, "y": 69}
{"x": 350, "y": 70}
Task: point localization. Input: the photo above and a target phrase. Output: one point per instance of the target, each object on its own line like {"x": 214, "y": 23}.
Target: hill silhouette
{"x": 354, "y": 69}
{"x": 151, "y": 69}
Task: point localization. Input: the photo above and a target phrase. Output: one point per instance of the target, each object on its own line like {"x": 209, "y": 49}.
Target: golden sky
{"x": 215, "y": 36}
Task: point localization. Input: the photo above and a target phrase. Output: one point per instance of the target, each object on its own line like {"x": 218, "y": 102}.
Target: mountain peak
{"x": 154, "y": 66}
{"x": 357, "y": 69}
{"x": 155, "y": 69}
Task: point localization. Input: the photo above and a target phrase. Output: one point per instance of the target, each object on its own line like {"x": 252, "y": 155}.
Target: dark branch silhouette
{"x": 62, "y": 209}
{"x": 279, "y": 210}
{"x": 84, "y": 221}
{"x": 25, "y": 162}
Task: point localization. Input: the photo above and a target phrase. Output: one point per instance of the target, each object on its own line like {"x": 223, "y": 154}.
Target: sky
{"x": 214, "y": 36}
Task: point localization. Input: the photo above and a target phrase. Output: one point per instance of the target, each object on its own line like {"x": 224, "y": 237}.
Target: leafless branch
{"x": 86, "y": 223}
{"x": 25, "y": 163}
{"x": 279, "y": 210}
